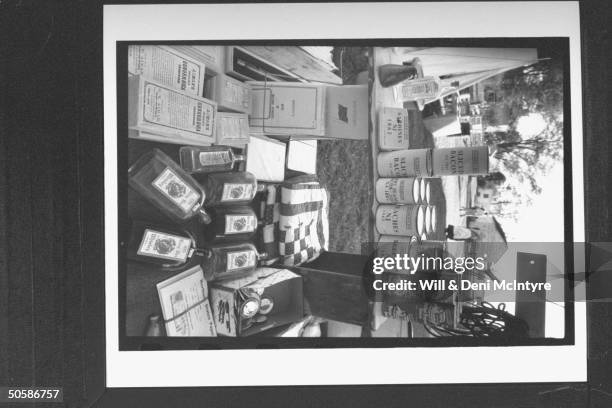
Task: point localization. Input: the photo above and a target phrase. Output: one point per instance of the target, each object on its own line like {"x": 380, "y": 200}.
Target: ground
{"x": 344, "y": 166}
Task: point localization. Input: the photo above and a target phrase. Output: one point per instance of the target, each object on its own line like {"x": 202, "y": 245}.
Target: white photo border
{"x": 337, "y": 365}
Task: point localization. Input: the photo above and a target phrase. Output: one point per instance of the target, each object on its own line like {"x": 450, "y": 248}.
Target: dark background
{"x": 51, "y": 229}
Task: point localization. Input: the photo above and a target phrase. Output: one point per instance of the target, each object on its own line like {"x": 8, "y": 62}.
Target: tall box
{"x": 346, "y": 112}
{"x": 232, "y": 129}
{"x": 287, "y": 109}
{"x": 173, "y": 116}
{"x": 230, "y": 94}
{"x": 212, "y": 55}
{"x": 167, "y": 66}
{"x": 265, "y": 299}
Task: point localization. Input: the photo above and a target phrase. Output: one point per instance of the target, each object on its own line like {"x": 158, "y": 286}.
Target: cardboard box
{"x": 346, "y": 112}
{"x": 230, "y": 298}
{"x": 266, "y": 158}
{"x": 287, "y": 108}
{"x": 167, "y": 66}
{"x": 229, "y": 93}
{"x": 172, "y": 115}
{"x": 212, "y": 55}
{"x": 302, "y": 156}
{"x": 232, "y": 129}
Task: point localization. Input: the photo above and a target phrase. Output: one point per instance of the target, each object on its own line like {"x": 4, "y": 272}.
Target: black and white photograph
{"x": 306, "y": 204}
{"x": 257, "y": 173}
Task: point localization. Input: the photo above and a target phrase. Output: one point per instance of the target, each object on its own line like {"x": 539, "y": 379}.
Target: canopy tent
{"x": 468, "y": 66}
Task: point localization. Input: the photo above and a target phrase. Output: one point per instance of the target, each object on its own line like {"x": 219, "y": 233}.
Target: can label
{"x": 393, "y": 131}
{"x": 405, "y": 163}
{"x": 240, "y": 224}
{"x": 397, "y": 190}
{"x": 460, "y": 161}
{"x": 176, "y": 190}
{"x": 399, "y": 220}
{"x": 165, "y": 246}
{"x": 237, "y": 192}
{"x": 214, "y": 158}
{"x": 241, "y": 260}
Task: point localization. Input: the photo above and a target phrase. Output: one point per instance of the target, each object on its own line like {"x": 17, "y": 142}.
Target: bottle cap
{"x": 204, "y": 217}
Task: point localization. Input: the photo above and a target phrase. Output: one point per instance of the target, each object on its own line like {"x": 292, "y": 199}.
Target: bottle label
{"x": 240, "y": 224}
{"x": 237, "y": 192}
{"x": 214, "y": 158}
{"x": 175, "y": 189}
{"x": 165, "y": 246}
{"x": 241, "y": 260}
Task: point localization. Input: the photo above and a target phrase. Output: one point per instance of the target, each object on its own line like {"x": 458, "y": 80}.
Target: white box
{"x": 287, "y": 108}
{"x": 212, "y": 55}
{"x": 168, "y": 67}
{"x": 230, "y": 94}
{"x": 346, "y": 112}
{"x": 302, "y": 156}
{"x": 266, "y": 158}
{"x": 180, "y": 118}
{"x": 232, "y": 129}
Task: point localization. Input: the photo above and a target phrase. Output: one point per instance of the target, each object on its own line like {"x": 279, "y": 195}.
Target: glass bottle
{"x": 167, "y": 186}
{"x": 229, "y": 188}
{"x": 230, "y": 260}
{"x": 155, "y": 326}
{"x": 160, "y": 245}
{"x": 231, "y": 224}
{"x": 209, "y": 159}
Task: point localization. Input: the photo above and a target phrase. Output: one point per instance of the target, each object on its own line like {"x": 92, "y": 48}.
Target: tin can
{"x": 398, "y": 190}
{"x": 400, "y": 220}
{"x": 405, "y": 163}
{"x": 393, "y": 129}
{"x": 433, "y": 221}
{"x": 454, "y": 161}
{"x": 390, "y": 245}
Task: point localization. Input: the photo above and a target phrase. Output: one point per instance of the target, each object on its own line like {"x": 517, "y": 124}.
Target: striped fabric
{"x": 268, "y": 233}
{"x": 303, "y": 220}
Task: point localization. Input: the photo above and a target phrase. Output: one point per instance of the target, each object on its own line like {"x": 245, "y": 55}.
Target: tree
{"x": 537, "y": 89}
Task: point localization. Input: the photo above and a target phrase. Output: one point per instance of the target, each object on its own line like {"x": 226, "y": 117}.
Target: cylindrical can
{"x": 433, "y": 219}
{"x": 398, "y": 190}
{"x": 453, "y": 161}
{"x": 405, "y": 163}
{"x": 422, "y": 188}
{"x": 390, "y": 245}
{"x": 427, "y": 192}
{"x": 400, "y": 219}
{"x": 427, "y": 219}
{"x": 393, "y": 129}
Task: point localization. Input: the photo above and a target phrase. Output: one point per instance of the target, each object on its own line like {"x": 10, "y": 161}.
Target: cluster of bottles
{"x": 203, "y": 187}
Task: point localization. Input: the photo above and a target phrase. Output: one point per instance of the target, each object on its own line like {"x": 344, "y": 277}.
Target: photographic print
{"x": 322, "y": 193}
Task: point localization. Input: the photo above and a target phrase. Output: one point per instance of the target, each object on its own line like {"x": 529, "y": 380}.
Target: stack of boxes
{"x": 185, "y": 96}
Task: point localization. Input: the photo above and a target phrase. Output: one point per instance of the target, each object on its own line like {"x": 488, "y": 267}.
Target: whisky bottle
{"x": 231, "y": 224}
{"x": 230, "y": 260}
{"x": 209, "y": 159}
{"x": 167, "y": 186}
{"x": 229, "y": 188}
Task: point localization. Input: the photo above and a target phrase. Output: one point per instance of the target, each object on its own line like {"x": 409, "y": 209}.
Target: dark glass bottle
{"x": 167, "y": 186}
{"x": 230, "y": 188}
{"x": 230, "y": 260}
{"x": 231, "y": 224}
{"x": 393, "y": 74}
{"x": 209, "y": 159}
{"x": 160, "y": 245}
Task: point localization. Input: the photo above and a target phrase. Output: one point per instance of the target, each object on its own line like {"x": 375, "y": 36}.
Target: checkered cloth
{"x": 303, "y": 220}
{"x": 268, "y": 233}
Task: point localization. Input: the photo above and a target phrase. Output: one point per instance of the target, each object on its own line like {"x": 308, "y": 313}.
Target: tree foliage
{"x": 536, "y": 89}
